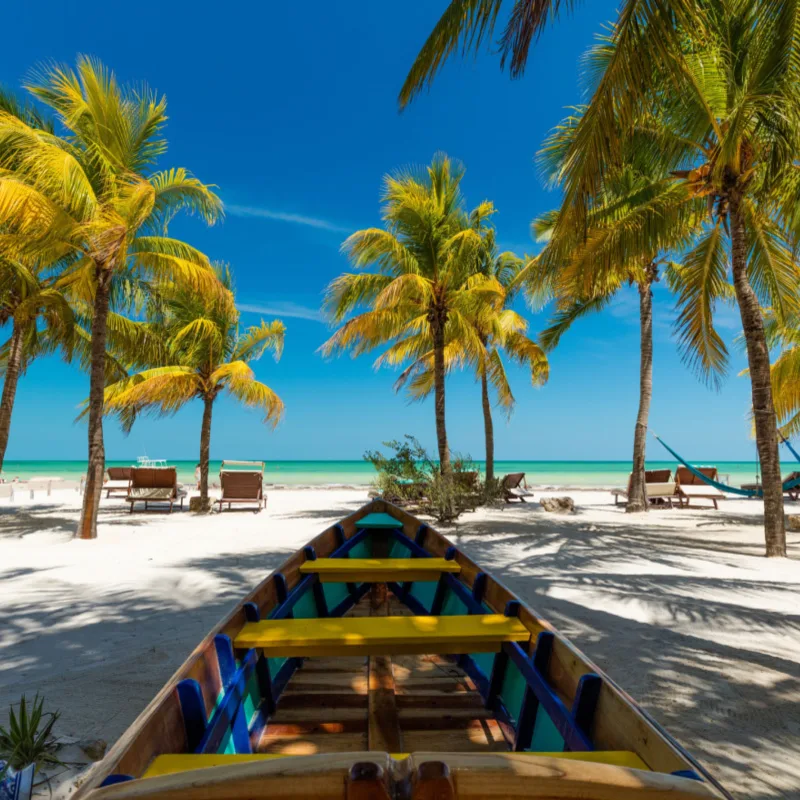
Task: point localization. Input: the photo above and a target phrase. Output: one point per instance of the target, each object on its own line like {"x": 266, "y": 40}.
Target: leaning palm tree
{"x": 193, "y": 349}
{"x": 728, "y": 131}
{"x": 29, "y": 298}
{"x": 497, "y": 331}
{"x": 92, "y": 200}
{"x": 425, "y": 285}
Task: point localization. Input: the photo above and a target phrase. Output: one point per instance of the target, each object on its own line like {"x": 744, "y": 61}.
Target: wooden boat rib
{"x": 381, "y": 662}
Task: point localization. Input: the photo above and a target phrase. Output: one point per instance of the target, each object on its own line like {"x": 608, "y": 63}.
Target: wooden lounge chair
{"x": 690, "y": 487}
{"x": 515, "y": 487}
{"x": 242, "y": 485}
{"x": 792, "y": 493}
{"x": 659, "y": 487}
{"x": 155, "y": 485}
{"x": 119, "y": 481}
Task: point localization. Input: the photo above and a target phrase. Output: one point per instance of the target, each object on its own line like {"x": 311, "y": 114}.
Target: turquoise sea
{"x": 321, "y": 473}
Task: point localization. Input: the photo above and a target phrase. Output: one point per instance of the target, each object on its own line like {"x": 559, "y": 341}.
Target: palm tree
{"x": 632, "y": 224}
{"x": 500, "y": 331}
{"x": 728, "y": 130}
{"x": 28, "y": 295}
{"x": 426, "y": 285}
{"x": 92, "y": 201}
{"x": 193, "y": 349}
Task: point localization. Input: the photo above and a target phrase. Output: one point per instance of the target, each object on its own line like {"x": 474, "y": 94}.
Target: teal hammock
{"x": 724, "y": 487}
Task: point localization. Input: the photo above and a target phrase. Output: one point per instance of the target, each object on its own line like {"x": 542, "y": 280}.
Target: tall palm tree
{"x": 633, "y": 223}
{"x": 92, "y": 200}
{"x": 426, "y": 283}
{"x": 193, "y": 349}
{"x": 500, "y": 330}
{"x": 28, "y": 295}
{"x": 728, "y": 131}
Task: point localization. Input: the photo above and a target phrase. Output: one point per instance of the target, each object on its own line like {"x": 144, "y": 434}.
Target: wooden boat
{"x": 381, "y": 662}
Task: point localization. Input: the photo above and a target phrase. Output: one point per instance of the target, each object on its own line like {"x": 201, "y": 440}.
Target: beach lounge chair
{"x": 245, "y": 484}
{"x": 659, "y": 486}
{"x": 155, "y": 485}
{"x": 792, "y": 493}
{"x": 690, "y": 487}
{"x": 119, "y": 481}
{"x": 515, "y": 487}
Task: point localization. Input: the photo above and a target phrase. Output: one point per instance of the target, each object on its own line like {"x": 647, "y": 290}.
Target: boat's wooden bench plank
{"x": 174, "y": 763}
{"x": 382, "y": 635}
{"x": 378, "y": 570}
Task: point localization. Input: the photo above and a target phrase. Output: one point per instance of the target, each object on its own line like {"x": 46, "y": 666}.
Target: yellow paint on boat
{"x": 185, "y": 762}
{"x": 352, "y": 636}
{"x": 378, "y": 570}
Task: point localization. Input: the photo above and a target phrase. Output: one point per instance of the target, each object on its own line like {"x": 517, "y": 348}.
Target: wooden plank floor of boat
{"x": 400, "y": 705}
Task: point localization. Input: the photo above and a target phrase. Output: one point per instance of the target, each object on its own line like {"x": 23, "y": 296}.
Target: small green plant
{"x": 411, "y": 476}
{"x": 28, "y": 738}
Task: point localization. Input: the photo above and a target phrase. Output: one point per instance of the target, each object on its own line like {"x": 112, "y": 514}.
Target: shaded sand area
{"x": 678, "y": 606}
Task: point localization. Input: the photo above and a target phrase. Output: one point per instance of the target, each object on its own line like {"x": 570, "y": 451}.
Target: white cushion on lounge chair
{"x": 695, "y": 490}
{"x": 520, "y": 492}
{"x": 660, "y": 489}
{"x": 164, "y": 494}
{"x": 116, "y": 484}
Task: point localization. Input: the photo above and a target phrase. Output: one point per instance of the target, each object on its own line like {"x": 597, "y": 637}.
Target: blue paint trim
{"x": 585, "y": 702}
{"x": 350, "y": 600}
{"x": 479, "y": 677}
{"x": 438, "y": 598}
{"x": 530, "y": 703}
{"x": 492, "y": 698}
{"x": 284, "y": 609}
{"x": 399, "y": 536}
{"x": 419, "y": 538}
{"x": 687, "y": 773}
{"x": 284, "y": 675}
{"x": 479, "y": 587}
{"x": 251, "y": 612}
{"x": 316, "y": 586}
{"x": 345, "y": 548}
{"x": 338, "y": 532}
{"x": 229, "y": 714}
{"x": 408, "y": 600}
{"x": 112, "y": 779}
{"x": 225, "y": 658}
{"x": 574, "y": 738}
{"x": 463, "y": 594}
{"x": 193, "y": 708}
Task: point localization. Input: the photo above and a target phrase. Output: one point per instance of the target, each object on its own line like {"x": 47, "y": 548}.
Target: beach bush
{"x": 409, "y": 476}
{"x": 28, "y": 738}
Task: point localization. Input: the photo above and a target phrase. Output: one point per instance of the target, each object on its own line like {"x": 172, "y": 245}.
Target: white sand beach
{"x": 678, "y": 606}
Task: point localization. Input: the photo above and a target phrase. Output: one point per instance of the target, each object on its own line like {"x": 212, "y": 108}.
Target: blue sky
{"x": 290, "y": 108}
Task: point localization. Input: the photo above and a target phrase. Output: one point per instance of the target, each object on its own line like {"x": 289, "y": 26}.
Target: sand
{"x": 679, "y": 607}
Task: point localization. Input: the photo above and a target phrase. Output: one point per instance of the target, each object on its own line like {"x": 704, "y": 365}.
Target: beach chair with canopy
{"x": 515, "y": 487}
{"x": 659, "y": 487}
{"x": 157, "y": 485}
{"x": 242, "y": 482}
{"x": 119, "y": 481}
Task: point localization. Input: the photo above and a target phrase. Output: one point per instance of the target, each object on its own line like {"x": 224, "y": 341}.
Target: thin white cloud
{"x": 284, "y": 308}
{"x": 255, "y": 212}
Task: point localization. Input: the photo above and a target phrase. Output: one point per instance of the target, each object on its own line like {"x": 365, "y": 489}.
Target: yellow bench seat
{"x": 184, "y": 762}
{"x": 375, "y": 636}
{"x": 378, "y": 570}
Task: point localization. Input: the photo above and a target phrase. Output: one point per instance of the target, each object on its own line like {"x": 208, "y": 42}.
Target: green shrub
{"x": 410, "y": 475}
{"x": 27, "y": 740}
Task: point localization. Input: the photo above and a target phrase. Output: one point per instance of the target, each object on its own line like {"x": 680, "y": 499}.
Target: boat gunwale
{"x": 568, "y": 663}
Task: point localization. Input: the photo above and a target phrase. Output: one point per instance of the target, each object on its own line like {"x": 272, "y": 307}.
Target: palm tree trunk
{"x": 10, "y": 387}
{"x": 87, "y": 528}
{"x": 438, "y": 379}
{"x": 766, "y": 423}
{"x": 205, "y": 448}
{"x": 488, "y": 428}
{"x": 637, "y": 498}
